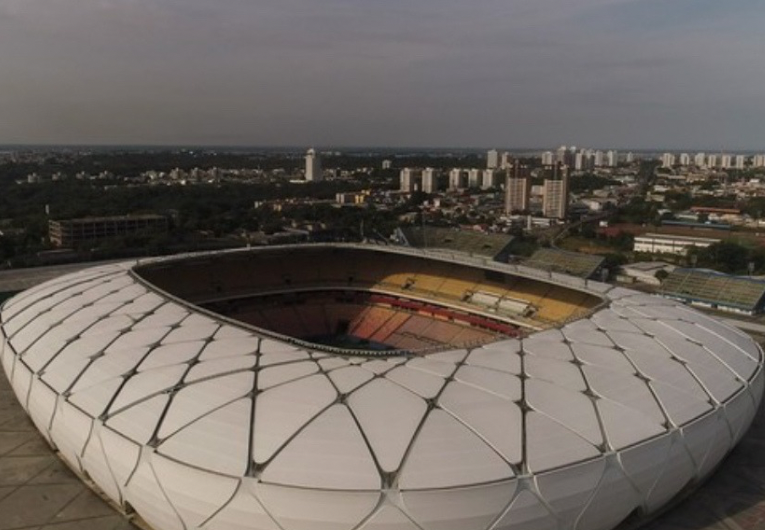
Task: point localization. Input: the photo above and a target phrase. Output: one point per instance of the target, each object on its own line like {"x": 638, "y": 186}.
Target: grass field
{"x": 582, "y": 244}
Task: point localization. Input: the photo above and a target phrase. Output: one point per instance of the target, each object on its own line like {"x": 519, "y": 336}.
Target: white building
{"x": 410, "y": 179}
{"x": 700, "y": 160}
{"x": 584, "y": 160}
{"x": 170, "y": 417}
{"x": 548, "y": 158}
{"x": 612, "y": 158}
{"x": 492, "y": 159}
{"x": 666, "y": 244}
{"x": 597, "y": 204}
{"x": 580, "y": 161}
{"x": 555, "y": 198}
{"x": 517, "y": 194}
{"x": 645, "y": 271}
{"x": 430, "y": 180}
{"x": 685, "y": 159}
{"x": 506, "y": 160}
{"x": 758, "y": 161}
{"x": 560, "y": 154}
{"x": 352, "y": 198}
{"x": 726, "y": 161}
{"x": 598, "y": 159}
{"x": 488, "y": 178}
{"x": 313, "y": 166}
{"x": 475, "y": 177}
{"x": 712, "y": 161}
{"x": 458, "y": 179}
{"x": 740, "y": 161}
{"x": 667, "y": 160}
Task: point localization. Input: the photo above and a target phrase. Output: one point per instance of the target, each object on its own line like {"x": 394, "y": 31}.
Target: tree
{"x": 588, "y": 231}
{"x": 613, "y": 262}
{"x": 725, "y": 256}
{"x": 623, "y": 241}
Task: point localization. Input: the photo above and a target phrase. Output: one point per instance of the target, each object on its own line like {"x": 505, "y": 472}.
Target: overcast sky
{"x": 478, "y": 73}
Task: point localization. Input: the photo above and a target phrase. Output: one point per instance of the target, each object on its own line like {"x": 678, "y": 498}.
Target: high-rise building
{"x": 506, "y": 161}
{"x": 758, "y": 161}
{"x": 313, "y": 166}
{"x": 387, "y": 164}
{"x": 430, "y": 180}
{"x": 700, "y": 160}
{"x": 739, "y": 162}
{"x": 560, "y": 154}
{"x": 667, "y": 160}
{"x": 685, "y": 159}
{"x": 568, "y": 159}
{"x": 726, "y": 161}
{"x": 489, "y": 178}
{"x": 583, "y": 160}
{"x": 580, "y": 161}
{"x": 410, "y": 179}
{"x": 475, "y": 176}
{"x": 598, "y": 159}
{"x": 612, "y": 158}
{"x": 458, "y": 179}
{"x": 630, "y": 157}
{"x": 555, "y": 199}
{"x": 712, "y": 161}
{"x": 492, "y": 159}
{"x": 548, "y": 158}
{"x": 517, "y": 189}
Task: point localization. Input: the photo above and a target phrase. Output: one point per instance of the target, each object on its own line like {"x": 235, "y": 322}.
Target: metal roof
{"x": 565, "y": 262}
{"x": 714, "y": 288}
{"x": 470, "y": 242}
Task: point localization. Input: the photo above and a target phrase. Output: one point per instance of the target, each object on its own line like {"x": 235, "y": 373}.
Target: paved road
{"x": 37, "y": 491}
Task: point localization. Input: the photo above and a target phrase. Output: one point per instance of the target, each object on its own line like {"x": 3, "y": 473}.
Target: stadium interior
{"x": 361, "y": 299}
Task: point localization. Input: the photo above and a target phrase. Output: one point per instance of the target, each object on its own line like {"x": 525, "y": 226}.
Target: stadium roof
{"x": 470, "y": 242}
{"x": 713, "y": 287}
{"x": 197, "y": 422}
{"x": 563, "y": 261}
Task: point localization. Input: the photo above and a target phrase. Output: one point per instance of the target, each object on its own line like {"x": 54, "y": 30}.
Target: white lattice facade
{"x": 196, "y": 422}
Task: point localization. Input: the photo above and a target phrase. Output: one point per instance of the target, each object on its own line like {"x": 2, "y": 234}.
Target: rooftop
{"x": 714, "y": 287}
{"x": 477, "y": 243}
{"x": 563, "y": 261}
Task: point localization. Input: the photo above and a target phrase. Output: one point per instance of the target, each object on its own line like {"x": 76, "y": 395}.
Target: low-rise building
{"x": 353, "y": 198}
{"x": 73, "y": 232}
{"x": 715, "y": 290}
{"x": 645, "y": 271}
{"x": 670, "y": 244}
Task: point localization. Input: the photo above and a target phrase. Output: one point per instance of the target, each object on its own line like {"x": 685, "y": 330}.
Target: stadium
{"x": 343, "y": 387}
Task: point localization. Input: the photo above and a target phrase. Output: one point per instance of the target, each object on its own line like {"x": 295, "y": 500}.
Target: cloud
{"x": 395, "y": 72}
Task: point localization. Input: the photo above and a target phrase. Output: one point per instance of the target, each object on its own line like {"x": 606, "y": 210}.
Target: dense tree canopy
{"x": 730, "y": 257}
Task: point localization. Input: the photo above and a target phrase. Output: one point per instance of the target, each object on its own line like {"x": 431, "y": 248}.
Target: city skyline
{"x": 627, "y": 74}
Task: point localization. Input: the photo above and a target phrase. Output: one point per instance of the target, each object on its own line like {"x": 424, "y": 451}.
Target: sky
{"x": 638, "y": 74}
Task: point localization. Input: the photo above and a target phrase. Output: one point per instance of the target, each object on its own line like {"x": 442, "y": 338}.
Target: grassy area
{"x": 582, "y": 244}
